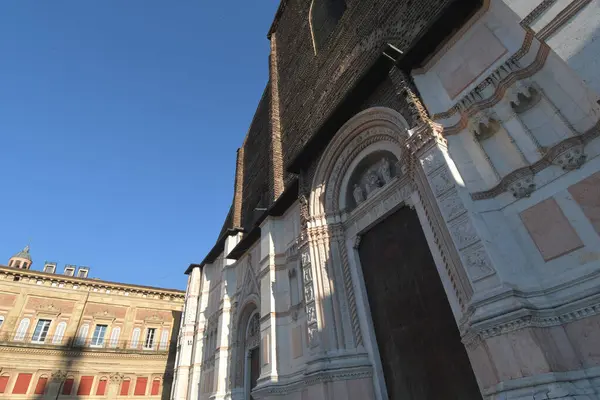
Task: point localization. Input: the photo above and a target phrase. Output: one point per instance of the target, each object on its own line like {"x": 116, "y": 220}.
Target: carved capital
{"x": 116, "y": 377}
{"x": 58, "y": 376}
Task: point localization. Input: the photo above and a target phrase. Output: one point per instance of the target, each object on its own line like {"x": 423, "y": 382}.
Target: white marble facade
{"x": 506, "y": 183}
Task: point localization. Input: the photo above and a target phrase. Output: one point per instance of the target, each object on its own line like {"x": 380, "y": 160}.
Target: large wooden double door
{"x": 419, "y": 343}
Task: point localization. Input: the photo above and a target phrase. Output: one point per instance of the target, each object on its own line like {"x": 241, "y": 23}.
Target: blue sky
{"x": 119, "y": 122}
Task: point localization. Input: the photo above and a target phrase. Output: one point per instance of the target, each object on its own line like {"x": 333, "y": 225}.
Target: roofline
{"x": 216, "y": 249}
{"x": 277, "y": 209}
{"x": 86, "y": 281}
{"x": 276, "y": 19}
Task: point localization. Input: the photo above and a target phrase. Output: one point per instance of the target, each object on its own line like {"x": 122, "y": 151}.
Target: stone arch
{"x": 335, "y": 225}
{"x": 369, "y": 127}
{"x": 249, "y": 308}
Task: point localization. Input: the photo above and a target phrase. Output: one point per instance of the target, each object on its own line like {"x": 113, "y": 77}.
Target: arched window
{"x": 1, "y": 320}
{"x": 22, "y": 330}
{"x": 82, "y": 335}
{"x": 164, "y": 338}
{"x": 114, "y": 337}
{"x": 101, "y": 389}
{"x": 135, "y": 338}
{"x": 155, "y": 387}
{"x": 324, "y": 16}
{"x": 59, "y": 333}
{"x": 4, "y": 382}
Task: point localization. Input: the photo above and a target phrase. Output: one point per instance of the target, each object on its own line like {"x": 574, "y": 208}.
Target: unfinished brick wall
{"x": 312, "y": 85}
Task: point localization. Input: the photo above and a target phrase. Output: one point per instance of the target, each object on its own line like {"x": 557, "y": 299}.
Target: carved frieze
{"x": 432, "y": 161}
{"x": 522, "y": 186}
{"x": 451, "y": 206}
{"x": 442, "y": 182}
{"x": 478, "y": 263}
{"x": 572, "y": 158}
{"x": 463, "y": 232}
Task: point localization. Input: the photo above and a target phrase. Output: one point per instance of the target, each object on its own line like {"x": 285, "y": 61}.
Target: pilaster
{"x": 271, "y": 234}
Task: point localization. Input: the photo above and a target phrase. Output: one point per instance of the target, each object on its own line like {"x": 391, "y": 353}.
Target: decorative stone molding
{"x": 572, "y": 158}
{"x": 63, "y": 281}
{"x": 521, "y": 185}
{"x": 531, "y": 318}
{"x": 483, "y": 97}
{"x": 58, "y": 376}
{"x": 116, "y": 378}
{"x": 563, "y": 17}
{"x": 309, "y": 298}
{"x": 537, "y": 12}
{"x": 298, "y": 382}
{"x": 568, "y": 154}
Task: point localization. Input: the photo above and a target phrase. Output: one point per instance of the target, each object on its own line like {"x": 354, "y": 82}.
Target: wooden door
{"x": 419, "y": 343}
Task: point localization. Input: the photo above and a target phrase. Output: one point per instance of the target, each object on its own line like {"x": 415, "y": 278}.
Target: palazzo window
{"x": 114, "y": 337}
{"x": 150, "y": 336}
{"x": 82, "y": 335}
{"x": 22, "y": 330}
{"x": 135, "y": 338}
{"x": 59, "y": 333}
{"x": 41, "y": 331}
{"x": 164, "y": 339}
{"x": 98, "y": 336}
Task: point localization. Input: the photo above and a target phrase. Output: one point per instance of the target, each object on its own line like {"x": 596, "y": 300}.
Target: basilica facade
{"x": 415, "y": 213}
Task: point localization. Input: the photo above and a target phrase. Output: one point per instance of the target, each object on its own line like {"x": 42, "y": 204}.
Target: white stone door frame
{"x": 334, "y": 232}
{"x": 249, "y": 345}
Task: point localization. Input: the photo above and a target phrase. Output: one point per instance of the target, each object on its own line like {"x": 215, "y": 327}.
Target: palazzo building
{"x": 415, "y": 213}
{"x": 69, "y": 336}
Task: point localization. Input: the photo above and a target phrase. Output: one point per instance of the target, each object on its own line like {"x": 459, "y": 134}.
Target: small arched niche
{"x": 372, "y": 173}
{"x": 486, "y": 131}
{"x": 526, "y": 102}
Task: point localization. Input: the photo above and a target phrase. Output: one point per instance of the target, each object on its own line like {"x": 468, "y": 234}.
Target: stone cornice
{"x": 551, "y": 157}
{"x": 90, "y": 284}
{"x": 300, "y": 381}
{"x": 162, "y": 355}
{"x": 504, "y": 76}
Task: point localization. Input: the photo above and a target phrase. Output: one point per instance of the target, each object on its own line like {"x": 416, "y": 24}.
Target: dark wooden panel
{"x": 419, "y": 343}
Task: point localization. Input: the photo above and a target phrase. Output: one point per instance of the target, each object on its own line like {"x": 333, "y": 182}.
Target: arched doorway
{"x": 419, "y": 343}
{"x": 252, "y": 355}
{"x": 396, "y": 301}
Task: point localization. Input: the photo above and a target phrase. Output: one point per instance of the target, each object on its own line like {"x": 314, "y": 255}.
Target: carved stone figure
{"x": 359, "y": 197}
{"x": 372, "y": 183}
{"x": 384, "y": 171}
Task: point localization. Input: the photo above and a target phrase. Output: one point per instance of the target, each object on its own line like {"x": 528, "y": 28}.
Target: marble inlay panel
{"x": 550, "y": 229}
{"x": 587, "y": 194}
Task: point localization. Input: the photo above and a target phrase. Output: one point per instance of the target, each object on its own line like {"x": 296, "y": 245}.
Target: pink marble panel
{"x": 297, "y": 342}
{"x": 467, "y": 61}
{"x": 585, "y": 338}
{"x": 557, "y": 347}
{"x": 483, "y": 368}
{"x": 7, "y": 300}
{"x": 550, "y": 229}
{"x": 360, "y": 389}
{"x": 587, "y": 194}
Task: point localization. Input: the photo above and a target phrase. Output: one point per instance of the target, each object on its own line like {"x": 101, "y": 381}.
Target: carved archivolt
{"x": 368, "y": 127}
